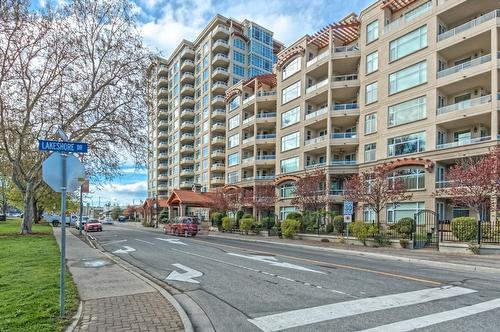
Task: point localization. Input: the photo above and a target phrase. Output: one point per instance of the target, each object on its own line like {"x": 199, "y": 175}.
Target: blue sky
{"x": 163, "y": 24}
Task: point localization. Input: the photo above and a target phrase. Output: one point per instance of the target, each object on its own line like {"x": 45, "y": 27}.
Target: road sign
{"x": 61, "y": 146}
{"x": 348, "y": 208}
{"x": 52, "y": 170}
{"x": 347, "y": 218}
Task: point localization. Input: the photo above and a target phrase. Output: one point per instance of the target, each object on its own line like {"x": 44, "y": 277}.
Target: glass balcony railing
{"x": 464, "y": 105}
{"x": 266, "y": 115}
{"x": 345, "y": 49}
{"x": 318, "y": 58}
{"x": 462, "y": 142}
{"x": 265, "y": 136}
{"x": 266, "y": 157}
{"x": 315, "y": 140}
{"x": 265, "y": 177}
{"x": 345, "y": 107}
{"x": 343, "y": 162}
{"x": 469, "y": 25}
{"x": 248, "y": 99}
{"x": 248, "y": 120}
{"x": 344, "y": 135}
{"x": 464, "y": 66}
{"x": 317, "y": 86}
{"x": 316, "y": 165}
{"x": 343, "y": 78}
{"x": 408, "y": 17}
{"x": 314, "y": 114}
{"x": 266, "y": 93}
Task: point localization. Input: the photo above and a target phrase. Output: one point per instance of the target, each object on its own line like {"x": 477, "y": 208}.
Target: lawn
{"x": 29, "y": 281}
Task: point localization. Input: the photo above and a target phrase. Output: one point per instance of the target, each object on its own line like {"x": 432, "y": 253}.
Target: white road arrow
{"x": 174, "y": 241}
{"x": 124, "y": 251}
{"x": 185, "y": 277}
{"x": 274, "y": 262}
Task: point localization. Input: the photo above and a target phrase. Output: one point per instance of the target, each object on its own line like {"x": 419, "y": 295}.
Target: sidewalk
{"x": 114, "y": 299}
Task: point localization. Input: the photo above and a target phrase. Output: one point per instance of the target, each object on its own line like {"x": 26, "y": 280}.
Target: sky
{"x": 163, "y": 25}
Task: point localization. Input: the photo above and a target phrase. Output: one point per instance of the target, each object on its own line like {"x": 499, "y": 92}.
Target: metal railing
{"x": 469, "y": 25}
{"x": 318, "y": 58}
{"x": 316, "y": 113}
{"x": 247, "y": 160}
{"x": 317, "y": 86}
{"x": 344, "y": 107}
{"x": 265, "y": 177}
{"x": 462, "y": 142}
{"x": 342, "y": 78}
{"x": 317, "y": 165}
{"x": 414, "y": 14}
{"x": 265, "y": 136}
{"x": 266, "y": 157}
{"x": 464, "y": 105}
{"x": 315, "y": 140}
{"x": 464, "y": 66}
{"x": 266, "y": 115}
{"x": 345, "y": 49}
{"x": 248, "y": 120}
{"x": 344, "y": 135}
{"x": 248, "y": 99}
{"x": 266, "y": 93}
{"x": 343, "y": 162}
{"x": 247, "y": 140}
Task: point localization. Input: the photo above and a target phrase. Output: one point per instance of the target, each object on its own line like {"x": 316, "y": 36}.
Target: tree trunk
{"x": 378, "y": 219}
{"x": 35, "y": 211}
{"x": 28, "y": 209}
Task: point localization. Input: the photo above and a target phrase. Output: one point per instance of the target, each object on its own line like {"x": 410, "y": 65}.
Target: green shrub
{"x": 290, "y": 227}
{"x": 216, "y": 219}
{"x": 294, "y": 216}
{"x": 309, "y": 226}
{"x": 227, "y": 223}
{"x": 381, "y": 240}
{"x": 404, "y": 243}
{"x": 163, "y": 216}
{"x": 464, "y": 228}
{"x": 267, "y": 222}
{"x": 329, "y": 227}
{"x": 362, "y": 230}
{"x": 403, "y": 227}
{"x": 338, "y": 224}
{"x": 246, "y": 224}
{"x": 239, "y": 215}
{"x": 246, "y": 216}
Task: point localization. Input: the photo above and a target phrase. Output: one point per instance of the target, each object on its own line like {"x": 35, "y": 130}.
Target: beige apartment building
{"x": 187, "y": 117}
{"x": 408, "y": 82}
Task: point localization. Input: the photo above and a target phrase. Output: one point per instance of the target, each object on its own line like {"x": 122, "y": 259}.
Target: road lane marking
{"x": 173, "y": 241}
{"x": 441, "y": 317}
{"x": 184, "y": 277}
{"x": 151, "y": 243}
{"x": 354, "y": 268}
{"x": 274, "y": 262}
{"x": 113, "y": 242}
{"x": 301, "y": 317}
{"x": 126, "y": 250}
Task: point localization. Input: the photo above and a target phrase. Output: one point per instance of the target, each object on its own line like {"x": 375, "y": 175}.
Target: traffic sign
{"x": 348, "y": 208}
{"x": 347, "y": 218}
{"x": 52, "y": 170}
{"x": 61, "y": 146}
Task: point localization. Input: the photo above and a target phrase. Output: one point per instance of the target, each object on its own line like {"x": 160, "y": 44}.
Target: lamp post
{"x": 155, "y": 206}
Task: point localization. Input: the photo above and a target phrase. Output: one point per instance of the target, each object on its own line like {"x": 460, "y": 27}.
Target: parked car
{"x": 53, "y": 219}
{"x": 122, "y": 219}
{"x": 107, "y": 221}
{"x": 85, "y": 219}
{"x": 92, "y": 225}
{"x": 187, "y": 226}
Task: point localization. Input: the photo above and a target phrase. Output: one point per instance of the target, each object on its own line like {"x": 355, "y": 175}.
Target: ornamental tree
{"x": 310, "y": 191}
{"x": 376, "y": 188}
{"x": 262, "y": 198}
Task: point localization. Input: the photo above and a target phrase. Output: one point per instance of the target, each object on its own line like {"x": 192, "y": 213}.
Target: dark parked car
{"x": 187, "y": 226}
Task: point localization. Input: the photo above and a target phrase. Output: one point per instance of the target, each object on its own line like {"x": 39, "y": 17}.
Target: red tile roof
{"x": 192, "y": 198}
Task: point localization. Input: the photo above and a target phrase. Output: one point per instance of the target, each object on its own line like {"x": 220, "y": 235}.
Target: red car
{"x": 187, "y": 226}
{"x": 92, "y": 225}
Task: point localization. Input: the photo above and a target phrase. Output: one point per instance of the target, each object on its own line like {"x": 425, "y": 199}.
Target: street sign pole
{"x": 63, "y": 233}
{"x": 80, "y": 219}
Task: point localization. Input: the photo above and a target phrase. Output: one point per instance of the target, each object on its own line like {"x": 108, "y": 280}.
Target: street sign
{"x": 52, "y": 170}
{"x": 61, "y": 146}
{"x": 348, "y": 208}
{"x": 347, "y": 218}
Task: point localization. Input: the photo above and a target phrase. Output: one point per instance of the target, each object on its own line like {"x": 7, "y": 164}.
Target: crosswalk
{"x": 307, "y": 316}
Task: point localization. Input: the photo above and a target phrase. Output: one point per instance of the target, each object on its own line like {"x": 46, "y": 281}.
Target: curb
{"x": 188, "y": 326}
{"x": 453, "y": 266}
{"x": 76, "y": 318}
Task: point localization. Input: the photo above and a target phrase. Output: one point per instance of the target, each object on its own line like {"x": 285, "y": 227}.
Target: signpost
{"x": 348, "y": 211}
{"x": 63, "y": 172}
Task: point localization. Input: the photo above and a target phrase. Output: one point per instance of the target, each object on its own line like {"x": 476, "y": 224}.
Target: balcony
{"x": 267, "y": 116}
{"x": 219, "y": 86}
{"x": 346, "y": 51}
{"x": 463, "y": 105}
{"x": 162, "y": 134}
{"x": 163, "y": 176}
{"x": 220, "y": 30}
{"x": 187, "y": 65}
{"x": 265, "y": 159}
{"x": 343, "y": 139}
{"x": 444, "y": 184}
{"x": 316, "y": 86}
{"x": 462, "y": 142}
{"x": 187, "y": 101}
{"x": 248, "y": 140}
{"x": 218, "y": 113}
{"x": 248, "y": 99}
{"x": 162, "y": 92}
{"x": 187, "y": 53}
{"x": 220, "y": 59}
{"x": 220, "y": 73}
{"x": 317, "y": 113}
{"x": 218, "y": 167}
{"x": 315, "y": 165}
{"x": 187, "y": 172}
{"x": 265, "y": 137}
{"x": 265, "y": 95}
{"x": 163, "y": 145}
{"x": 187, "y": 149}
{"x": 187, "y": 113}
{"x": 408, "y": 18}
{"x": 163, "y": 124}
{"x": 248, "y": 160}
{"x": 220, "y": 45}
{"x": 315, "y": 140}
{"x": 343, "y": 162}
{"x": 186, "y": 184}
{"x": 187, "y": 125}
{"x": 162, "y": 70}
{"x": 187, "y": 89}
{"x": 187, "y": 77}
{"x": 186, "y": 137}
{"x": 218, "y": 154}
{"x": 464, "y": 66}
{"x": 217, "y": 181}
{"x": 162, "y": 81}
{"x": 337, "y": 192}
{"x": 318, "y": 59}
{"x": 163, "y": 103}
{"x": 218, "y": 140}
{"x": 344, "y": 81}
{"x": 469, "y": 25}
{"x": 248, "y": 120}
{"x": 187, "y": 160}
{"x": 219, "y": 126}
{"x": 344, "y": 135}
{"x": 265, "y": 177}
{"x": 345, "y": 109}
{"x": 162, "y": 187}
{"x": 163, "y": 155}
{"x": 218, "y": 100}
{"x": 163, "y": 166}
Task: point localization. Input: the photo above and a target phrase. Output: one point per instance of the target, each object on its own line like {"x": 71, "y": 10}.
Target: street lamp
{"x": 155, "y": 206}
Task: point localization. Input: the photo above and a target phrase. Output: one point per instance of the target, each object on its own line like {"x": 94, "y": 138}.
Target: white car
{"x": 106, "y": 221}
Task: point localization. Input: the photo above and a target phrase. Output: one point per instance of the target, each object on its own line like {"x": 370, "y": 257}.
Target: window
{"x": 289, "y": 165}
{"x": 291, "y": 92}
{"x": 205, "y": 48}
{"x": 204, "y": 152}
{"x": 234, "y": 103}
{"x": 233, "y": 140}
{"x": 232, "y": 177}
{"x": 408, "y": 111}
{"x": 413, "y": 178}
{"x": 239, "y": 44}
{"x": 205, "y": 139}
{"x": 408, "y": 78}
{"x": 368, "y": 214}
{"x": 205, "y": 126}
{"x": 372, "y": 62}
{"x": 370, "y": 152}
{"x": 291, "y": 68}
{"x": 238, "y": 70}
{"x": 205, "y": 74}
{"x": 204, "y": 164}
{"x": 237, "y": 56}
{"x": 370, "y": 123}
{"x": 287, "y": 190}
{"x": 406, "y": 144}
{"x": 205, "y": 113}
{"x": 372, "y": 32}
{"x": 371, "y": 94}
{"x": 205, "y": 62}
{"x": 285, "y": 210}
{"x": 407, "y": 44}
{"x": 290, "y": 117}
{"x": 233, "y": 159}
{"x": 403, "y": 210}
{"x": 205, "y": 100}
{"x": 290, "y": 141}
{"x": 234, "y": 122}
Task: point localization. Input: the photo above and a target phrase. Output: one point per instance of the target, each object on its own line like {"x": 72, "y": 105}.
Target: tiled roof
{"x": 188, "y": 197}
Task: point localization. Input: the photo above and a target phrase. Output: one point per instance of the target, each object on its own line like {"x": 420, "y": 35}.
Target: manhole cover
{"x": 93, "y": 263}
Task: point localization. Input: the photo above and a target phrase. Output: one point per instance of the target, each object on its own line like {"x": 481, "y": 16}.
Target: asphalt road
{"x": 244, "y": 286}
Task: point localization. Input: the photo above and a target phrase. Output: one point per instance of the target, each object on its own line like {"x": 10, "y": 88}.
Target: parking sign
{"x": 348, "y": 208}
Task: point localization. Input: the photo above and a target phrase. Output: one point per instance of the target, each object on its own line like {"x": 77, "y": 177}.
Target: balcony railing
{"x": 247, "y": 160}
{"x": 266, "y": 93}
{"x": 343, "y": 162}
{"x": 344, "y": 135}
{"x": 317, "y": 165}
{"x": 248, "y": 120}
{"x": 265, "y": 136}
{"x": 315, "y": 140}
{"x": 266, "y": 157}
{"x": 318, "y": 58}
{"x": 464, "y": 66}
{"x": 248, "y": 99}
{"x": 464, "y": 105}
{"x": 342, "y": 78}
{"x": 345, "y": 107}
{"x": 317, "y": 86}
{"x": 247, "y": 140}
{"x": 345, "y": 49}
{"x": 316, "y": 113}
{"x": 407, "y": 18}
{"x": 444, "y": 184}
{"x": 469, "y": 25}
{"x": 265, "y": 177}
{"x": 266, "y": 115}
{"x": 462, "y": 142}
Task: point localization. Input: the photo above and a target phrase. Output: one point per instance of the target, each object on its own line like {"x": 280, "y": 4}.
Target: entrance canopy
{"x": 190, "y": 199}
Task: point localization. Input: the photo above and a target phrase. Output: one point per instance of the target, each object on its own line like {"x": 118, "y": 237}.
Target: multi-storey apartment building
{"x": 187, "y": 112}
{"x": 413, "y": 83}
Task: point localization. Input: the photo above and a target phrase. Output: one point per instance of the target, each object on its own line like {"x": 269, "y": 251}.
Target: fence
{"x": 479, "y": 232}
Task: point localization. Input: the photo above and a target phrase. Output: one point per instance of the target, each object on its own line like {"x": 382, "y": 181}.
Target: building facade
{"x": 187, "y": 118}
{"x": 413, "y": 83}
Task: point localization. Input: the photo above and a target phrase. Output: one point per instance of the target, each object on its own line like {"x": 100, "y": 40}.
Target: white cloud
{"x": 121, "y": 193}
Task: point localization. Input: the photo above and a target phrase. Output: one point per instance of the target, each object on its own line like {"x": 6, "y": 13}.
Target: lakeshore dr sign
{"x": 61, "y": 146}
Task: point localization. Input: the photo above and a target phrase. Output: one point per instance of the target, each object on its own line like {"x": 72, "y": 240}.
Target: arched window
{"x": 413, "y": 178}
{"x": 291, "y": 68}
{"x": 287, "y": 190}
